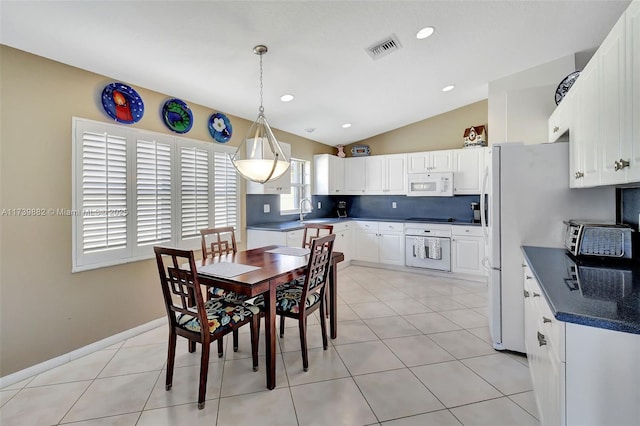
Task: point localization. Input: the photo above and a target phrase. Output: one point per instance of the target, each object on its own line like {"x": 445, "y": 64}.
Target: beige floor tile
{"x": 137, "y": 359}
{"x": 6, "y": 395}
{"x": 151, "y": 337}
{"x": 184, "y": 358}
{"x": 483, "y": 333}
{"x": 259, "y": 408}
{"x": 395, "y": 394}
{"x": 368, "y": 357}
{"x": 475, "y": 300}
{"x": 352, "y": 332}
{"x": 181, "y": 415}
{"x": 18, "y": 385}
{"x": 345, "y": 313}
{"x": 323, "y": 365}
{"x": 356, "y": 296}
{"x": 291, "y": 340}
{"x": 465, "y": 318}
{"x": 527, "y": 401}
{"x": 431, "y": 322}
{"x": 185, "y": 386}
{"x": 43, "y": 405}
{"x": 406, "y": 306}
{"x": 386, "y": 328}
{"x": 113, "y": 395}
{"x": 343, "y": 404}
{"x": 437, "y": 418}
{"x": 503, "y": 372}
{"x": 462, "y": 344}
{"x": 85, "y": 368}
{"x": 454, "y": 384}
{"x": 372, "y": 310}
{"x": 387, "y": 293}
{"x": 418, "y": 350}
{"x": 239, "y": 378}
{"x": 496, "y": 412}
{"x": 441, "y": 303}
{"x": 121, "y": 420}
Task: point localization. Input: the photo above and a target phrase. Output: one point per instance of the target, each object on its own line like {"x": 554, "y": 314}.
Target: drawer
{"x": 339, "y": 227}
{"x": 390, "y": 227}
{"x": 366, "y": 226}
{"x": 553, "y": 330}
{"x": 469, "y": 231}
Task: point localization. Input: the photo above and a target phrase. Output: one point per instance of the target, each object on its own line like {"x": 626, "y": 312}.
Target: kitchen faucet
{"x": 301, "y": 204}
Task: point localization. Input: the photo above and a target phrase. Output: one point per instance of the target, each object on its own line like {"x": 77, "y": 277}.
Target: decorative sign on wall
{"x": 177, "y": 116}
{"x": 360, "y": 151}
{"x": 220, "y": 127}
{"x": 122, "y": 103}
{"x": 475, "y": 136}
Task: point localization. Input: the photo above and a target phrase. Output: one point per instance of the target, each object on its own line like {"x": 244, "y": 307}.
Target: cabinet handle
{"x": 620, "y": 164}
{"x": 536, "y": 294}
{"x": 541, "y": 339}
{"x": 526, "y": 293}
{"x": 579, "y": 175}
{"x": 555, "y": 129}
{"x": 545, "y": 320}
{"x": 527, "y": 277}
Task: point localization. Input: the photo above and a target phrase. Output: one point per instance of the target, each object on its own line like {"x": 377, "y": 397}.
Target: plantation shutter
{"x": 225, "y": 190}
{"x": 194, "y": 190}
{"x": 153, "y": 192}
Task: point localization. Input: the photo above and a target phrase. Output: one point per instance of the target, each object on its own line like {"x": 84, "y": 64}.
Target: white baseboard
{"x": 80, "y": 352}
{"x": 422, "y": 271}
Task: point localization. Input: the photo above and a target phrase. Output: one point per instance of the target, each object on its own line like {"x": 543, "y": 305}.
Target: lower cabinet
{"x": 260, "y": 238}
{"x": 467, "y": 250}
{"x": 343, "y": 239}
{"x": 378, "y": 242}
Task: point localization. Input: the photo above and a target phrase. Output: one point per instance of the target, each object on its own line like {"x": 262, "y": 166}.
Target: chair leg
{"x": 204, "y": 371}
{"x": 192, "y": 346}
{"x": 171, "y": 355}
{"x": 323, "y": 325}
{"x": 220, "y": 347}
{"x": 255, "y": 337}
{"x": 281, "y": 326}
{"x": 302, "y": 324}
{"x": 235, "y": 340}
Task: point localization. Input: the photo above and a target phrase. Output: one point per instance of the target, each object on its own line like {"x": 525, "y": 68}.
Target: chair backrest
{"x": 222, "y": 241}
{"x": 313, "y": 230}
{"x": 180, "y": 286}
{"x": 318, "y": 266}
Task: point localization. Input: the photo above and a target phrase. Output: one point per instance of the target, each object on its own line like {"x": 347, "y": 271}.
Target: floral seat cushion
{"x": 288, "y": 299}
{"x": 227, "y": 295}
{"x": 221, "y": 315}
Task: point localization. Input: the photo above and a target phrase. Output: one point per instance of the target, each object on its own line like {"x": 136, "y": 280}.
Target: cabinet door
{"x": 418, "y": 162}
{"x": 328, "y": 174}
{"x": 391, "y": 248}
{"x": 354, "y": 175}
{"x": 336, "y": 175}
{"x": 631, "y": 149}
{"x": 467, "y": 254}
{"x": 343, "y": 243}
{"x": 294, "y": 238}
{"x": 365, "y": 246}
{"x": 375, "y": 174}
{"x": 260, "y": 238}
{"x": 468, "y": 165}
{"x": 441, "y": 161}
{"x": 396, "y": 174}
{"x": 584, "y": 131}
{"x": 559, "y": 120}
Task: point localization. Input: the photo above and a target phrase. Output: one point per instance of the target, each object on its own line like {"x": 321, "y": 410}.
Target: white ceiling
{"x": 202, "y": 52}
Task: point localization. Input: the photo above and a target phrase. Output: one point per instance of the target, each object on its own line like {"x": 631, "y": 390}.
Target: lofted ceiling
{"x": 202, "y": 52}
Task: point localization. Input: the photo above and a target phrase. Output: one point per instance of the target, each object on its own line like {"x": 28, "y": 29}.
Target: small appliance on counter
{"x": 342, "y": 209}
{"x": 608, "y": 240}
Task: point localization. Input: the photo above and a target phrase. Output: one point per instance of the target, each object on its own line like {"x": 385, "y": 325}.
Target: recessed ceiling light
{"x": 286, "y": 98}
{"x": 425, "y": 32}
{"x": 310, "y": 129}
{"x": 346, "y": 125}
{"x": 448, "y": 88}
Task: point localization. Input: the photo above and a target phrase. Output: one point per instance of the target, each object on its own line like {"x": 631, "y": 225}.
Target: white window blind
{"x": 153, "y": 192}
{"x": 225, "y": 191}
{"x": 194, "y": 190}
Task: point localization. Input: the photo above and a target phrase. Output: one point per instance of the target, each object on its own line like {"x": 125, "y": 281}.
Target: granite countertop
{"x": 603, "y": 294}
{"x": 295, "y": 224}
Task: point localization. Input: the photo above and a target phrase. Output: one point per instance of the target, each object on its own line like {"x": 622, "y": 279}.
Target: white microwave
{"x": 430, "y": 184}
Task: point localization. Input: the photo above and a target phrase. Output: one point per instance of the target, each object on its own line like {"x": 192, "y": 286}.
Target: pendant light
{"x": 259, "y": 158}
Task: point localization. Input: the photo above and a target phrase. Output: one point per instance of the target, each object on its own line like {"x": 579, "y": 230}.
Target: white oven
{"x": 430, "y": 184}
{"x": 428, "y": 247}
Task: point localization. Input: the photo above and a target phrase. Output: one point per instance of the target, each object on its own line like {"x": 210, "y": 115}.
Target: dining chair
{"x": 289, "y": 299}
{"x": 313, "y": 230}
{"x": 187, "y": 311}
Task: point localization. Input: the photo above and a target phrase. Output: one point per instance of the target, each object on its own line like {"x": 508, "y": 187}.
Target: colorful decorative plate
{"x": 565, "y": 85}
{"x": 122, "y": 103}
{"x": 220, "y": 127}
{"x": 177, "y": 116}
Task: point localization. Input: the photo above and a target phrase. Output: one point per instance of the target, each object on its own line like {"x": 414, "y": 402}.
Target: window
{"x": 300, "y": 187}
{"x": 134, "y": 189}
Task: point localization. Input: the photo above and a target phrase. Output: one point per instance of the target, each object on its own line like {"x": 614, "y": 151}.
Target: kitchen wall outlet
{"x": 267, "y": 208}
{"x": 394, "y": 205}
{"x": 319, "y": 205}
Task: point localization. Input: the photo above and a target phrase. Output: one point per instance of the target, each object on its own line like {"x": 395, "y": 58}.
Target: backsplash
{"x": 629, "y": 207}
{"x": 369, "y": 206}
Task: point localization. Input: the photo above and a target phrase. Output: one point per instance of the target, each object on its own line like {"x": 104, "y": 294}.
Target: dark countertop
{"x": 294, "y": 225}
{"x": 603, "y": 294}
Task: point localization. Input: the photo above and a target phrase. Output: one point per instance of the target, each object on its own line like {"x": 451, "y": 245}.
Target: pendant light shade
{"x": 259, "y": 158}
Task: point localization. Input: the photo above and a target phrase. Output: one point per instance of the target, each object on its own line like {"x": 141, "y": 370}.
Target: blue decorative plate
{"x": 565, "y": 85}
{"x": 177, "y": 116}
{"x": 220, "y": 127}
{"x": 122, "y": 103}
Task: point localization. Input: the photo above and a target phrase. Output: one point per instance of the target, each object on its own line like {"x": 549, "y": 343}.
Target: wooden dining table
{"x": 274, "y": 269}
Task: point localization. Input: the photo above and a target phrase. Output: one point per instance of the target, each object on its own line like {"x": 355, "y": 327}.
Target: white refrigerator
{"x": 527, "y": 197}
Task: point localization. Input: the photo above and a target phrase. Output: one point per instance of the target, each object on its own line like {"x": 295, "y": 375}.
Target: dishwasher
{"x": 428, "y": 246}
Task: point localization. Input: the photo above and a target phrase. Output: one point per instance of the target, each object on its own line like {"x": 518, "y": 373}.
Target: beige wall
{"x": 444, "y": 131}
{"x": 45, "y": 310}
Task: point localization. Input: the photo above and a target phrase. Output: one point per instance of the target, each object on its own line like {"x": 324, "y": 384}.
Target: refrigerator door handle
{"x": 486, "y": 263}
{"x": 483, "y": 205}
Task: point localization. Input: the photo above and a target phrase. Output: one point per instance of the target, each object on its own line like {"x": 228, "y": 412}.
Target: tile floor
{"x": 412, "y": 349}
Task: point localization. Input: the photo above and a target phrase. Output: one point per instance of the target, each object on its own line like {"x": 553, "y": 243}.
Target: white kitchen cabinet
{"x": 355, "y": 175}
{"x": 282, "y": 185}
{"x": 467, "y": 250}
{"x": 468, "y": 167}
{"x": 378, "y": 242}
{"x": 260, "y": 238}
{"x": 430, "y": 161}
{"x": 329, "y": 174}
{"x": 386, "y": 175}
{"x": 559, "y": 120}
{"x": 343, "y": 239}
{"x": 631, "y": 150}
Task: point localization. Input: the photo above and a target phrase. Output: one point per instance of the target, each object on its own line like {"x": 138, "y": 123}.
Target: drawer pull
{"x": 526, "y": 293}
{"x": 527, "y": 277}
{"x": 536, "y": 294}
{"x": 555, "y": 129}
{"x": 579, "y": 175}
{"x": 545, "y": 320}
{"x": 620, "y": 164}
{"x": 541, "y": 339}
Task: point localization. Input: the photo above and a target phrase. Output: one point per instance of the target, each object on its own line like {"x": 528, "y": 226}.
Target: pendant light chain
{"x": 261, "y": 109}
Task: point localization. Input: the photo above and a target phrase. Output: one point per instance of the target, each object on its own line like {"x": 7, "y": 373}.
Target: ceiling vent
{"x": 384, "y": 47}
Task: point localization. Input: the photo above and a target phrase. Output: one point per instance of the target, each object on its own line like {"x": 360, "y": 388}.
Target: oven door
{"x": 428, "y": 252}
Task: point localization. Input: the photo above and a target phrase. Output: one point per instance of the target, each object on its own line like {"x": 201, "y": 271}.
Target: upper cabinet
{"x": 468, "y": 167}
{"x": 430, "y": 161}
{"x": 604, "y": 109}
{"x": 386, "y": 175}
{"x": 282, "y": 185}
{"x": 355, "y": 175}
{"x": 559, "y": 121}
{"x": 329, "y": 174}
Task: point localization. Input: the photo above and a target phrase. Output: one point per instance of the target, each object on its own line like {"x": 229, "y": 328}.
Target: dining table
{"x": 260, "y": 271}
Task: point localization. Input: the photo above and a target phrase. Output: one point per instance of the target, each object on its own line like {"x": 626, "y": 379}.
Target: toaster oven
{"x": 598, "y": 239}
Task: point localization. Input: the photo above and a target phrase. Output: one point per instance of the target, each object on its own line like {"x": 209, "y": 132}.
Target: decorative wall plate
{"x": 177, "y": 116}
{"x": 122, "y": 103}
{"x": 565, "y": 85}
{"x": 220, "y": 127}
